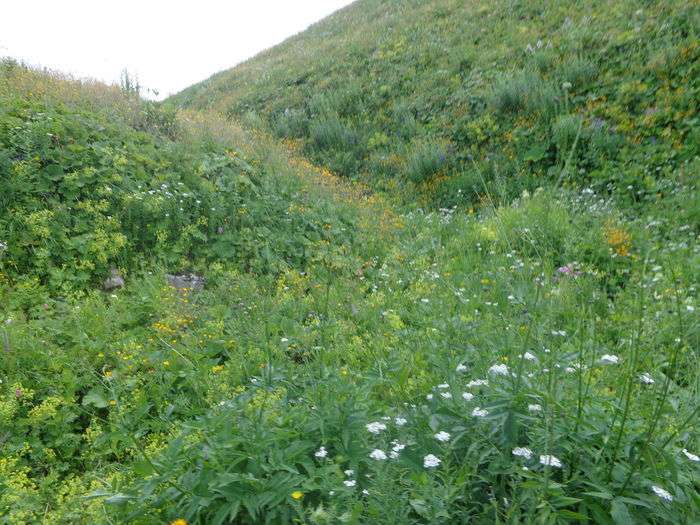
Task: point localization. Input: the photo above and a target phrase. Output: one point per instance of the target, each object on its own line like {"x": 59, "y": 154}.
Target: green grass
{"x": 500, "y": 327}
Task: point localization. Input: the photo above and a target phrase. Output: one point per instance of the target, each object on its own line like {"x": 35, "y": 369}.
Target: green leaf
{"x": 96, "y": 398}
{"x": 620, "y": 513}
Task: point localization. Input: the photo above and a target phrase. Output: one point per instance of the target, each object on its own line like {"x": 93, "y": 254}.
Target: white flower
{"x": 534, "y": 407}
{"x": 365, "y": 492}
{"x": 646, "y": 378}
{"x": 499, "y": 370}
{"x": 429, "y": 397}
{"x": 468, "y": 396}
{"x": 480, "y": 412}
{"x": 321, "y": 452}
{"x": 431, "y": 461}
{"x": 522, "y": 452}
{"x": 461, "y": 368}
{"x": 444, "y": 385}
{"x": 477, "y": 382}
{"x": 608, "y": 359}
{"x": 376, "y": 427}
{"x": 691, "y": 456}
{"x": 529, "y": 357}
{"x": 350, "y": 482}
{"x": 551, "y": 461}
{"x": 663, "y": 494}
{"x": 377, "y": 454}
{"x": 688, "y": 307}
{"x": 397, "y": 446}
{"x": 443, "y": 436}
{"x": 446, "y": 395}
{"x": 349, "y": 472}
{"x": 400, "y": 421}
{"x": 566, "y": 85}
{"x": 393, "y": 454}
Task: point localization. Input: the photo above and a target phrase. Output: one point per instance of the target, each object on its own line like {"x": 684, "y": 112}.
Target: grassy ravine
{"x": 528, "y": 356}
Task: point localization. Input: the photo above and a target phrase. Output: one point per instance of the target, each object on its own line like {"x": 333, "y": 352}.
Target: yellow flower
{"x": 297, "y": 495}
{"x": 179, "y": 521}
{"x": 217, "y": 368}
{"x": 166, "y": 363}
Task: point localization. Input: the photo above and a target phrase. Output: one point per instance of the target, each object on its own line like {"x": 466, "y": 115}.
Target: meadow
{"x": 500, "y": 328}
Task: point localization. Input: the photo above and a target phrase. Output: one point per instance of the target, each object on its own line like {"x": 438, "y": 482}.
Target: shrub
{"x": 425, "y": 161}
{"x": 524, "y": 91}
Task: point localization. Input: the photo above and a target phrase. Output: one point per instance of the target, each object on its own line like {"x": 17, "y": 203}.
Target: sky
{"x": 167, "y": 45}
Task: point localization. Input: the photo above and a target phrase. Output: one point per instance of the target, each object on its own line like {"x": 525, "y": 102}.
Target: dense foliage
{"x": 527, "y": 356}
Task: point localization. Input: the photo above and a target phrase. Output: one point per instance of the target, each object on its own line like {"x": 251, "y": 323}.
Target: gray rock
{"x": 186, "y": 281}
{"x": 114, "y": 281}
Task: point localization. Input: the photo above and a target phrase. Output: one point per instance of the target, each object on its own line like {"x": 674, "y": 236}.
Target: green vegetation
{"x": 490, "y": 318}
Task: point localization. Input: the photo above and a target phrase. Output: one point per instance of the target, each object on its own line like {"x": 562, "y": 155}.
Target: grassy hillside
{"x": 404, "y": 93}
{"x": 527, "y": 356}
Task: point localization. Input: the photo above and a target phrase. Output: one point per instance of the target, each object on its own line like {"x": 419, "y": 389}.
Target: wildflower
{"x": 431, "y": 461}
{"x": 443, "y": 436}
{"x": 551, "y": 461}
{"x": 350, "y": 482}
{"x": 529, "y": 357}
{"x": 444, "y": 385}
{"x": 608, "y": 359}
{"x": 397, "y": 446}
{"x": 461, "y": 368}
{"x": 429, "y": 397}
{"x": 663, "y": 494}
{"x": 522, "y": 452}
{"x": 376, "y": 427}
{"x": 446, "y": 395}
{"x": 400, "y": 421}
{"x": 477, "y": 382}
{"x": 534, "y": 407}
{"x": 297, "y": 495}
{"x": 691, "y": 456}
{"x": 377, "y": 455}
{"x": 321, "y": 452}
{"x": 480, "y": 412}
{"x": 646, "y": 378}
{"x": 349, "y": 472}
{"x": 179, "y": 521}
{"x": 365, "y": 492}
{"x": 566, "y": 86}
{"x": 467, "y": 396}
{"x": 688, "y": 307}
{"x": 499, "y": 370}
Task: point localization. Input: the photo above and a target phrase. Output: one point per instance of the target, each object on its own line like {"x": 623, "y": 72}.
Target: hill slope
{"x": 409, "y": 91}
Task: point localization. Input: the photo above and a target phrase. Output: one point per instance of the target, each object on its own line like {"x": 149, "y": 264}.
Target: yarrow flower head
{"x": 377, "y": 455}
{"x": 529, "y": 357}
{"x": 400, "y": 421}
{"x": 461, "y": 368}
{"x": 443, "y": 436}
{"x": 608, "y": 359}
{"x": 349, "y": 472}
{"x": 468, "y": 396}
{"x": 522, "y": 452}
{"x": 550, "y": 461}
{"x": 446, "y": 395}
{"x": 444, "y": 385}
{"x": 321, "y": 452}
{"x": 662, "y": 493}
{"x": 431, "y": 461}
{"x": 499, "y": 370}
{"x": 350, "y": 482}
{"x": 646, "y": 378}
{"x": 376, "y": 427}
{"x": 480, "y": 412}
{"x": 534, "y": 407}
{"x": 477, "y": 382}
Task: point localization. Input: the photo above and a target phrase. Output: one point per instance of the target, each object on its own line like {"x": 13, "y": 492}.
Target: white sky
{"x": 169, "y": 45}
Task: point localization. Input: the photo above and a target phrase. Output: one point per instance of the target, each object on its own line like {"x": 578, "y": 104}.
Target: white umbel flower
{"x": 662, "y": 493}
{"x": 376, "y": 427}
{"x": 400, "y": 421}
{"x": 377, "y": 455}
{"x": 443, "y": 436}
{"x": 480, "y": 412}
{"x": 477, "y": 382}
{"x": 321, "y": 452}
{"x": 467, "y": 396}
{"x": 522, "y": 452}
{"x": 461, "y": 368}
{"x": 446, "y": 395}
{"x": 350, "y": 482}
{"x": 550, "y": 461}
{"x": 431, "y": 461}
{"x": 499, "y": 370}
{"x": 609, "y": 359}
{"x": 534, "y": 407}
{"x": 646, "y": 378}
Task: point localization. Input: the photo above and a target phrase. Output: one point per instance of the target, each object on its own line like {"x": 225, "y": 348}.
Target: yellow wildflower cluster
{"x": 619, "y": 239}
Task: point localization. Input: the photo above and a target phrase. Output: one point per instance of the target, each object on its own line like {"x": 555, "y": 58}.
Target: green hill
{"x": 462, "y": 289}
{"x": 396, "y": 92}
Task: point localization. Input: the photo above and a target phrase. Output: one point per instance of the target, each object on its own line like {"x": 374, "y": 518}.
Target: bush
{"x": 425, "y": 161}
{"x": 524, "y": 91}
